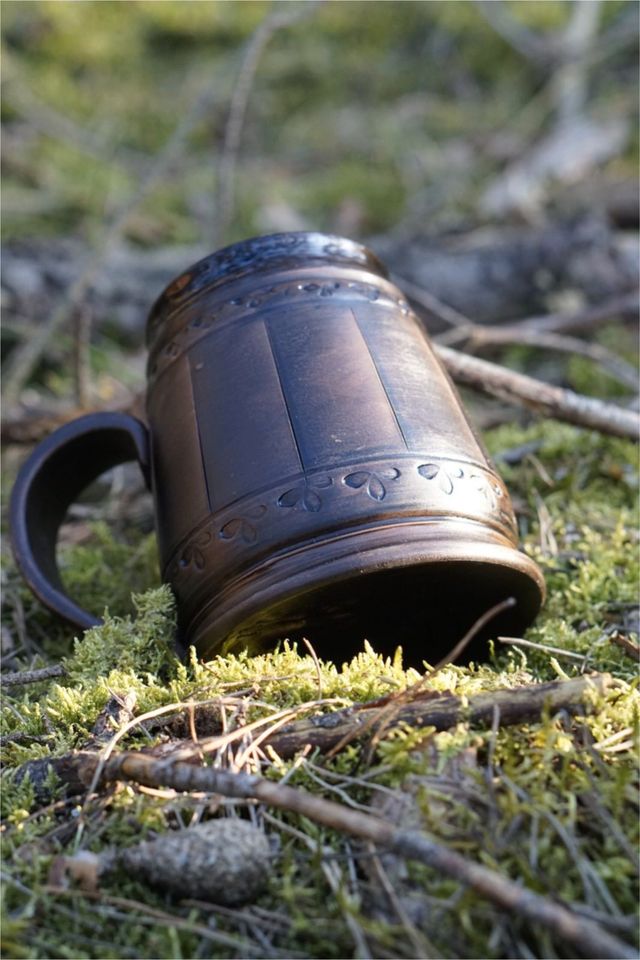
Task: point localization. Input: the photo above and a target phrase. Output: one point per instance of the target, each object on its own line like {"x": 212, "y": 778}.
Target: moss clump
{"x": 109, "y": 570}
{"x": 140, "y": 645}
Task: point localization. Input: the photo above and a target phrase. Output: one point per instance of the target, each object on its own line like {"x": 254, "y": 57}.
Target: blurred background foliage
{"x": 362, "y": 115}
{"x": 385, "y": 121}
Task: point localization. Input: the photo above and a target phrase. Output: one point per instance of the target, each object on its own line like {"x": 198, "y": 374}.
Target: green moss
{"x": 109, "y": 569}
{"x": 550, "y": 804}
{"x": 139, "y": 645}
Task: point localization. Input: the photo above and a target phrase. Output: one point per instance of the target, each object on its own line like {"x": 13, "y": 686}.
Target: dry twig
{"x": 527, "y": 42}
{"x": 630, "y": 647}
{"x": 556, "y": 402}
{"x": 154, "y": 917}
{"x": 83, "y": 769}
{"x": 480, "y": 336}
{"x": 440, "y": 712}
{"x": 542, "y": 647}
{"x": 32, "y": 676}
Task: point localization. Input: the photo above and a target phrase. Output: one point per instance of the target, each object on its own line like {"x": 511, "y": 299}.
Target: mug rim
{"x": 255, "y": 254}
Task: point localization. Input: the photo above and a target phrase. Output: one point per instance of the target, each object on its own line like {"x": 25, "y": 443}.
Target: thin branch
{"x": 623, "y": 32}
{"x": 625, "y": 643}
{"x": 462, "y": 644}
{"x": 432, "y": 304}
{"x": 543, "y": 398}
{"x": 427, "y": 708}
{"x": 480, "y": 337}
{"x": 316, "y": 662}
{"x": 49, "y": 121}
{"x": 82, "y": 356}
{"x": 154, "y": 916}
{"x": 278, "y": 19}
{"x": 441, "y": 712}
{"x": 588, "y": 937}
{"x": 32, "y": 676}
{"x": 570, "y": 79}
{"x": 625, "y": 306}
{"x": 542, "y": 647}
{"x": 542, "y": 332}
{"x": 538, "y": 49}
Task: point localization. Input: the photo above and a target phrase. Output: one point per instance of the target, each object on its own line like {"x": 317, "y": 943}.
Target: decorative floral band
{"x": 451, "y": 488}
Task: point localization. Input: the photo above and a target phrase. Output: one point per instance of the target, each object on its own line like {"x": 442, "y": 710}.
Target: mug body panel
{"x": 178, "y": 471}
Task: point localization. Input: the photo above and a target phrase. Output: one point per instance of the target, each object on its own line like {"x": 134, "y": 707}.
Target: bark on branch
{"x": 23, "y": 677}
{"x": 543, "y": 398}
{"x": 440, "y": 711}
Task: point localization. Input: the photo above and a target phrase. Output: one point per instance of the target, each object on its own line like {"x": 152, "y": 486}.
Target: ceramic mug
{"x": 312, "y": 467}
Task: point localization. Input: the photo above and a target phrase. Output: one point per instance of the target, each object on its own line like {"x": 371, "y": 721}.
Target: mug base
{"x": 419, "y": 585}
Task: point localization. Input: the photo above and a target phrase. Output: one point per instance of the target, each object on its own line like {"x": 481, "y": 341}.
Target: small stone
{"x": 222, "y": 861}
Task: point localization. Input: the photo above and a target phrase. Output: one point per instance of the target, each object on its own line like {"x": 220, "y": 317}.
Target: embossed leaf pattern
{"x": 371, "y": 481}
{"x": 488, "y": 491}
{"x": 311, "y": 500}
{"x": 356, "y": 480}
{"x": 256, "y": 512}
{"x": 193, "y": 552}
{"x": 239, "y": 527}
{"x": 435, "y": 471}
{"x": 376, "y": 488}
{"x": 290, "y": 498}
{"x": 305, "y": 495}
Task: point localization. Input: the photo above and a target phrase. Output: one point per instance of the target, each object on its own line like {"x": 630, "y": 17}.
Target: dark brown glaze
{"x": 315, "y": 471}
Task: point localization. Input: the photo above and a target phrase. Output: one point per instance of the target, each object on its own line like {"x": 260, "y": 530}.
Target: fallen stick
{"x": 588, "y": 937}
{"x": 625, "y": 306}
{"x": 76, "y": 770}
{"x": 625, "y": 643}
{"x": 442, "y": 711}
{"x": 541, "y": 397}
{"x": 479, "y": 337}
{"x": 32, "y": 676}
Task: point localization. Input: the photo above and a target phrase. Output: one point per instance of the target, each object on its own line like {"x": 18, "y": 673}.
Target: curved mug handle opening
{"x": 49, "y": 481}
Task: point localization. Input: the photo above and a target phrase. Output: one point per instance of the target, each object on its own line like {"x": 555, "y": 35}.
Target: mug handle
{"x": 49, "y": 481}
